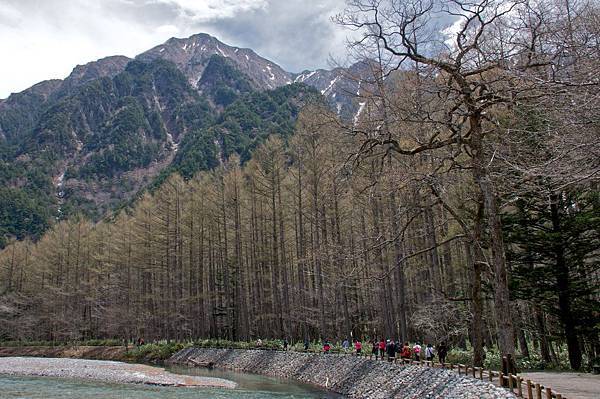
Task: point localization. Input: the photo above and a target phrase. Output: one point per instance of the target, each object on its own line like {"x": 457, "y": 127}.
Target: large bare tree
{"x": 472, "y": 59}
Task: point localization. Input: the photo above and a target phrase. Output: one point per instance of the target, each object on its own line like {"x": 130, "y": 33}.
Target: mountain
{"x": 342, "y": 87}
{"x": 20, "y": 110}
{"x": 191, "y": 55}
{"x": 91, "y": 142}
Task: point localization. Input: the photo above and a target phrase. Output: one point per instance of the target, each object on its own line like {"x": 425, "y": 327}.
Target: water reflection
{"x": 254, "y": 382}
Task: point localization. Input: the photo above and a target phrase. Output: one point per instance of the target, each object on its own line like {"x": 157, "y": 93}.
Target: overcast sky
{"x": 45, "y": 39}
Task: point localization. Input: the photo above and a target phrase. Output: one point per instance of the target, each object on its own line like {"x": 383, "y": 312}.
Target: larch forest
{"x": 460, "y": 203}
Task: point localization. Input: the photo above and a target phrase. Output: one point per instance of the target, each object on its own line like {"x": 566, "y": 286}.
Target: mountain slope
{"x": 342, "y": 87}
{"x": 114, "y": 126}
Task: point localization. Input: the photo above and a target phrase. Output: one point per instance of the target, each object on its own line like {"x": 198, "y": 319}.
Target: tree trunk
{"x": 561, "y": 273}
{"x": 506, "y": 341}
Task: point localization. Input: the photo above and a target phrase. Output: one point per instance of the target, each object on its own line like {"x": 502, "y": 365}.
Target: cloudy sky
{"x": 44, "y": 39}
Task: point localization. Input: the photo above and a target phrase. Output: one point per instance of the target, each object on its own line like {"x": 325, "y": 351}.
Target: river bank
{"x": 105, "y": 371}
{"x": 351, "y": 376}
{"x": 117, "y": 353}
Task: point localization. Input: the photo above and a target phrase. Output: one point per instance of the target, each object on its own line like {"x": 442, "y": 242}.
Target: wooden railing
{"x": 523, "y": 388}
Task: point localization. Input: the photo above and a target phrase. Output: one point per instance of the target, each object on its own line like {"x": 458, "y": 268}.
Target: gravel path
{"x": 106, "y": 371}
{"x": 570, "y": 385}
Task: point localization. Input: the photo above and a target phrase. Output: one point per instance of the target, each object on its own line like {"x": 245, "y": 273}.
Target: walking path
{"x": 570, "y": 385}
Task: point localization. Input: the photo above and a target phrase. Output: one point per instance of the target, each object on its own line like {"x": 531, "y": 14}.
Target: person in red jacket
{"x": 382, "y": 349}
{"x": 358, "y": 347}
{"x": 326, "y": 347}
{"x": 405, "y": 354}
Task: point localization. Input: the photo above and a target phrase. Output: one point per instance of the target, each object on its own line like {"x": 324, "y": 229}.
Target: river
{"x": 249, "y": 387}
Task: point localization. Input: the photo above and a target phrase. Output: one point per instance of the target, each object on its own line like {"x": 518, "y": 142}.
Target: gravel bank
{"x": 105, "y": 371}
{"x": 76, "y": 352}
{"x": 351, "y": 376}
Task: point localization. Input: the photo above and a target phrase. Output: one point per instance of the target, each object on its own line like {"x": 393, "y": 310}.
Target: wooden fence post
{"x": 481, "y": 373}
{"x": 501, "y": 379}
{"x": 529, "y": 390}
{"x": 510, "y": 382}
{"x": 538, "y": 391}
{"x": 491, "y": 375}
{"x": 558, "y": 396}
{"x": 548, "y": 393}
{"x": 474, "y": 371}
{"x": 519, "y": 387}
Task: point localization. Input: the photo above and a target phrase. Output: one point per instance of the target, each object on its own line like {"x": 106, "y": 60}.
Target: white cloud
{"x": 46, "y": 39}
{"x": 207, "y": 10}
{"x": 168, "y": 30}
{"x": 9, "y": 15}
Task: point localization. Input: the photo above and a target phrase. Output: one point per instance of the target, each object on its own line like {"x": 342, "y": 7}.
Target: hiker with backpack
{"x": 429, "y": 353}
{"x": 417, "y": 351}
{"x": 405, "y": 354}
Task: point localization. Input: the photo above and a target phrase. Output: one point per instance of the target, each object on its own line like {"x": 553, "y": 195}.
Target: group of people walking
{"x": 390, "y": 349}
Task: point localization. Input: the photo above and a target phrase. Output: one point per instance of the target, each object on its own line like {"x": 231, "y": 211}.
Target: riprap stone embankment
{"x": 351, "y": 376}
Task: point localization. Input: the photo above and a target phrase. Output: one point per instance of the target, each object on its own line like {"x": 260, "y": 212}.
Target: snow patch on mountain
{"x": 272, "y": 77}
{"x": 361, "y": 106}
{"x": 330, "y": 85}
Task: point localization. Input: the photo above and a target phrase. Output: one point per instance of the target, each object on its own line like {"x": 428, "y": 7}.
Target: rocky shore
{"x": 105, "y": 371}
{"x": 351, "y": 376}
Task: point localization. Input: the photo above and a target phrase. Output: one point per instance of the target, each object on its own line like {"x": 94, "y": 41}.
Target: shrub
{"x": 156, "y": 353}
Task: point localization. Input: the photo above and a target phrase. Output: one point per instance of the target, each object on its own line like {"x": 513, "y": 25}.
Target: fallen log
{"x": 207, "y": 365}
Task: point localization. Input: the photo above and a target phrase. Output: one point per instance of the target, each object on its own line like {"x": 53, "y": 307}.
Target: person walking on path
{"x": 391, "y": 350}
{"x": 326, "y": 347}
{"x": 405, "y": 351}
{"x": 285, "y": 344}
{"x": 417, "y": 351}
{"x": 382, "y": 349}
{"x": 442, "y": 352}
{"x": 429, "y": 353}
{"x": 346, "y": 345}
{"x": 306, "y": 344}
{"x": 358, "y": 347}
{"x": 374, "y": 348}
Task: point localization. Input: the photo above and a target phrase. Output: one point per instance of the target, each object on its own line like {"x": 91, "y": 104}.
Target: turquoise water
{"x": 249, "y": 387}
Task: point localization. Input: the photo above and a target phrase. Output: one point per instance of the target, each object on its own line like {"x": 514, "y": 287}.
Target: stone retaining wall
{"x": 351, "y": 376}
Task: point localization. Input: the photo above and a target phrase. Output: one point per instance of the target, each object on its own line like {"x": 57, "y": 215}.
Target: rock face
{"x": 351, "y": 376}
{"x": 191, "y": 55}
{"x": 104, "y": 67}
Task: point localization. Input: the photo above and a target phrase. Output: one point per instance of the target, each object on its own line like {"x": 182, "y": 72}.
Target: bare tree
{"x": 492, "y": 55}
